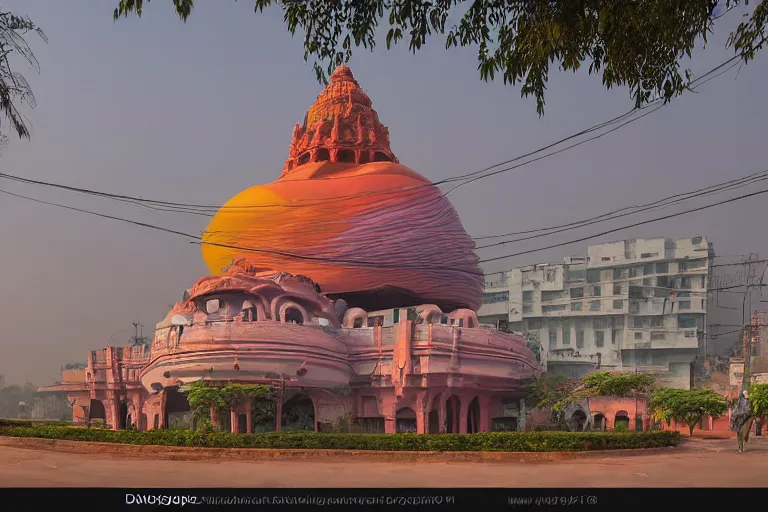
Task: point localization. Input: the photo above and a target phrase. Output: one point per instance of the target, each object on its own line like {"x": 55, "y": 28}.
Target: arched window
{"x": 293, "y": 316}
{"x": 250, "y": 313}
{"x": 323, "y": 155}
{"x": 405, "y": 421}
{"x": 621, "y": 422}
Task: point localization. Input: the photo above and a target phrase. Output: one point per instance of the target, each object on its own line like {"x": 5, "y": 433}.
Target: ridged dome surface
{"x": 345, "y": 213}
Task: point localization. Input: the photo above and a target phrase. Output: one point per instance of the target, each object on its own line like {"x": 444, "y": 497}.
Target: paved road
{"x": 710, "y": 463}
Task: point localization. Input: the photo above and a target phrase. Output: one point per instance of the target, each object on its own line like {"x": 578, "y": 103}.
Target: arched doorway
{"x": 298, "y": 413}
{"x": 473, "y": 416}
{"x": 177, "y": 413}
{"x": 621, "y": 421}
{"x": 405, "y": 421}
{"x": 599, "y": 422}
{"x": 452, "y": 408}
{"x": 123, "y": 419}
{"x": 577, "y": 421}
{"x": 96, "y": 412}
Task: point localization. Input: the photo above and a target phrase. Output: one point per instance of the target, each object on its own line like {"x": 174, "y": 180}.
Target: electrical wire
{"x": 199, "y": 209}
{"x": 198, "y": 239}
{"x": 665, "y": 217}
{"x": 630, "y": 210}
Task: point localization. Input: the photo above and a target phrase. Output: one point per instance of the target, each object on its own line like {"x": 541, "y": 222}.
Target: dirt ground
{"x": 698, "y": 463}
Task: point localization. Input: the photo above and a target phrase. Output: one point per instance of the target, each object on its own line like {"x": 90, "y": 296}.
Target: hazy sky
{"x": 197, "y": 112}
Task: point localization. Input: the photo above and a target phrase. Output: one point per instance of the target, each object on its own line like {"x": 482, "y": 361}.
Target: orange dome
{"x": 345, "y": 213}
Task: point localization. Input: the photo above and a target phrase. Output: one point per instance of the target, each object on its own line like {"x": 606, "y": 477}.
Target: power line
{"x": 199, "y": 240}
{"x": 629, "y": 210}
{"x": 199, "y": 209}
{"x": 741, "y": 264}
{"x": 626, "y": 227}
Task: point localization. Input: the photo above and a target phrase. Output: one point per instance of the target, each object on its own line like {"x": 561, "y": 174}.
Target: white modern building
{"x": 636, "y": 306}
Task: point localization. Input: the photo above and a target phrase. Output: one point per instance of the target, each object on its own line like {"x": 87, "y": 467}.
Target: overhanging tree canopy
{"x": 14, "y": 88}
{"x": 633, "y": 43}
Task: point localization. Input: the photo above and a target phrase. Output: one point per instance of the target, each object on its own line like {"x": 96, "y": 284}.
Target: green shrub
{"x": 9, "y": 422}
{"x": 490, "y": 441}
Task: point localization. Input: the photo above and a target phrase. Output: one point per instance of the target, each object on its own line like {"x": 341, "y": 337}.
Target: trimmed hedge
{"x": 488, "y": 442}
{"x": 11, "y": 422}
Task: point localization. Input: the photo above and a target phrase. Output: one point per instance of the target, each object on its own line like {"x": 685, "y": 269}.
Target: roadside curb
{"x": 254, "y": 454}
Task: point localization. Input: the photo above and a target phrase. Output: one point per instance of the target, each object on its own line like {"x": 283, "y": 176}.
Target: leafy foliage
{"x": 620, "y": 385}
{"x": 490, "y": 441}
{"x": 203, "y": 396}
{"x": 4, "y": 422}
{"x": 686, "y": 405}
{"x": 758, "y": 399}
{"x": 14, "y": 88}
{"x": 638, "y": 44}
{"x": 547, "y": 390}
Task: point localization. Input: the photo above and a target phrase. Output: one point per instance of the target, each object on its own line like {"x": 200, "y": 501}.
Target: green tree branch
{"x": 637, "y": 44}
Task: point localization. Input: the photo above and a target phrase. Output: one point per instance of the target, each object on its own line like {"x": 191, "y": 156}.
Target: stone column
{"x": 279, "y": 412}
{"x": 521, "y": 415}
{"x": 163, "y": 401}
{"x": 420, "y": 414}
{"x": 138, "y": 409}
{"x": 387, "y": 406}
{"x": 463, "y": 414}
{"x": 441, "y": 414}
{"x": 249, "y": 417}
{"x": 484, "y": 422}
{"x": 214, "y": 419}
{"x": 114, "y": 406}
{"x": 233, "y": 421}
{"x": 109, "y": 412}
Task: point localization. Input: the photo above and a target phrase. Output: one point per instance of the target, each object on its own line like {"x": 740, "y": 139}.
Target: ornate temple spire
{"x": 340, "y": 127}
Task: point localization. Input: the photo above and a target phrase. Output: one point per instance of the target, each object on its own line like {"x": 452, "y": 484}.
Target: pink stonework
{"x": 347, "y": 230}
{"x": 429, "y": 372}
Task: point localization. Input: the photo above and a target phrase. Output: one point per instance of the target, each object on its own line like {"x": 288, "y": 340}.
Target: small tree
{"x": 204, "y": 398}
{"x": 688, "y": 406}
{"x": 552, "y": 392}
{"x": 235, "y": 395}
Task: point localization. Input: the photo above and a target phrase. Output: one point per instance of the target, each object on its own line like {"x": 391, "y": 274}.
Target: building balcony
{"x": 497, "y": 283}
{"x": 570, "y": 355}
{"x": 660, "y": 338}
{"x": 494, "y": 309}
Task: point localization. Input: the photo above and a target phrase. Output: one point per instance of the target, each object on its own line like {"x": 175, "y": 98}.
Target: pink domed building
{"x": 361, "y": 309}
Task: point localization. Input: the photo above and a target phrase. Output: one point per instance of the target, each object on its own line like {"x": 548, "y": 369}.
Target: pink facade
{"x": 427, "y": 372}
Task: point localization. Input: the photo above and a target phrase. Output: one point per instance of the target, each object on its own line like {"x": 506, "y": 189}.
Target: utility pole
{"x": 741, "y": 418}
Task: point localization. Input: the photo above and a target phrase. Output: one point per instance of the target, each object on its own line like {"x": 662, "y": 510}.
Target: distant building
{"x": 636, "y": 305}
